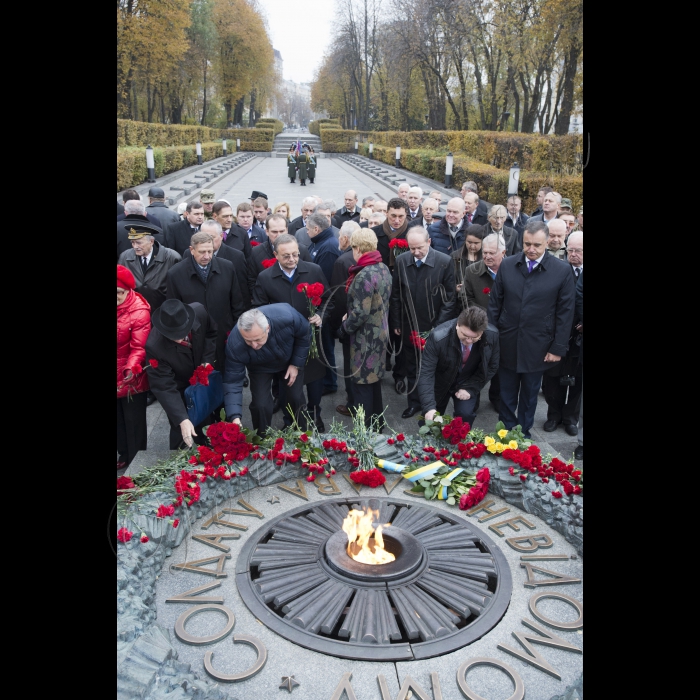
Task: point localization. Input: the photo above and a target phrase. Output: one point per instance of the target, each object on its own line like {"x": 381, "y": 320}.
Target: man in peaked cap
{"x": 207, "y": 198}
{"x": 257, "y": 194}
{"x": 136, "y": 217}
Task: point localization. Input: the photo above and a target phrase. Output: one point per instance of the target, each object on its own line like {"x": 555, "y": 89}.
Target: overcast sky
{"x": 300, "y": 31}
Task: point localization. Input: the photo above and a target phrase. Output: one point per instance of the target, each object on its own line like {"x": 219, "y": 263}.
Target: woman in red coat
{"x": 133, "y": 327}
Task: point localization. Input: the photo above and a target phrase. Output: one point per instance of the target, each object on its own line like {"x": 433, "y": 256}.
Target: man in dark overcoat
{"x": 212, "y": 282}
{"x": 232, "y": 235}
{"x": 532, "y": 305}
{"x": 158, "y": 207}
{"x": 272, "y": 340}
{"x": 275, "y": 226}
{"x": 278, "y": 285}
{"x": 422, "y": 297}
{"x": 182, "y": 338}
{"x": 225, "y": 252}
{"x": 178, "y": 236}
{"x": 460, "y": 356}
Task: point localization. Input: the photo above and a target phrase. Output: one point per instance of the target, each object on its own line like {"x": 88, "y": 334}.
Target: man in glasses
{"x": 459, "y": 358}
{"x": 279, "y": 284}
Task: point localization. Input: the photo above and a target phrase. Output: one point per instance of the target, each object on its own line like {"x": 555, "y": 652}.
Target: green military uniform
{"x": 291, "y": 166}
{"x": 303, "y": 161}
{"x": 207, "y": 197}
{"x": 312, "y": 166}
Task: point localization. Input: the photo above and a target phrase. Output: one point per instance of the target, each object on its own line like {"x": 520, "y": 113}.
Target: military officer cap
{"x": 257, "y": 194}
{"x": 207, "y": 197}
{"x": 139, "y": 230}
{"x": 566, "y": 203}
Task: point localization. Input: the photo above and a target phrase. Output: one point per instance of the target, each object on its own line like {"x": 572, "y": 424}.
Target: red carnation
{"x": 400, "y": 437}
{"x": 304, "y": 437}
{"x": 390, "y": 441}
{"x": 176, "y": 522}
{"x": 310, "y": 477}
{"x": 244, "y": 471}
{"x": 568, "y": 487}
{"x": 556, "y": 494}
{"x": 483, "y": 475}
{"x": 254, "y": 243}
{"x": 153, "y": 363}
{"x": 124, "y": 483}
{"x": 144, "y": 539}
{"x": 124, "y": 535}
{"x": 577, "y": 490}
{"x": 486, "y": 290}
{"x": 523, "y": 477}
{"x": 316, "y": 301}
{"x": 302, "y": 287}
{"x": 268, "y": 263}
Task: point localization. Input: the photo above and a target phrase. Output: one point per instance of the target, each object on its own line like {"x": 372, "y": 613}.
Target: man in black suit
{"x": 483, "y": 207}
{"x": 179, "y": 235}
{"x": 541, "y": 193}
{"x": 532, "y": 305}
{"x": 308, "y": 205}
{"x": 564, "y": 397}
{"x": 212, "y": 282}
{"x": 279, "y": 285}
{"x": 425, "y": 220}
{"x": 246, "y": 222}
{"x": 459, "y": 358}
{"x": 471, "y": 210}
{"x": 182, "y": 338}
{"x": 516, "y": 218}
{"x": 232, "y": 235}
{"x": 422, "y": 297}
{"x": 158, "y": 208}
{"x": 275, "y": 226}
{"x": 225, "y": 252}
{"x": 349, "y": 212}
{"x": 261, "y": 211}
{"x": 135, "y": 214}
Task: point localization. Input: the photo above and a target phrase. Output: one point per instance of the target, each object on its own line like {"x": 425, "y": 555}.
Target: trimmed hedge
{"x": 131, "y": 160}
{"x": 532, "y": 152}
{"x": 268, "y": 122}
{"x": 131, "y": 133}
{"x": 492, "y": 181}
{"x": 315, "y": 126}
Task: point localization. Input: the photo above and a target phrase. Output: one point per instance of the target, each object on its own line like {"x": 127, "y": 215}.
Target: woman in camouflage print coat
{"x": 366, "y": 325}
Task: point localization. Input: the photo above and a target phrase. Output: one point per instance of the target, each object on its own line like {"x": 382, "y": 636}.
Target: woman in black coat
{"x": 182, "y": 339}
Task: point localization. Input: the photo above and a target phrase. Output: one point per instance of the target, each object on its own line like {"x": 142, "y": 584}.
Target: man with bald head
{"x": 349, "y": 212}
{"x": 557, "y": 236}
{"x": 563, "y": 383}
{"x": 449, "y": 234}
{"x": 403, "y": 191}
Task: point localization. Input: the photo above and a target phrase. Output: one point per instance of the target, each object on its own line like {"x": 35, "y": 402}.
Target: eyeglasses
{"x": 289, "y": 255}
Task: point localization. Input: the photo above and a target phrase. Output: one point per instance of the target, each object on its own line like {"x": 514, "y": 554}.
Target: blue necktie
{"x": 531, "y": 265}
{"x": 419, "y": 263}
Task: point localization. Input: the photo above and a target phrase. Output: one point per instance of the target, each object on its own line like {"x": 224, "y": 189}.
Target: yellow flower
{"x": 502, "y": 433}
{"x": 513, "y": 445}
{"x": 491, "y": 448}
{"x": 488, "y": 440}
{"x": 500, "y": 446}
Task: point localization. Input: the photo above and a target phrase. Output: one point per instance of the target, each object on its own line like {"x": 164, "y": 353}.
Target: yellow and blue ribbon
{"x": 442, "y": 496}
{"x": 390, "y": 466}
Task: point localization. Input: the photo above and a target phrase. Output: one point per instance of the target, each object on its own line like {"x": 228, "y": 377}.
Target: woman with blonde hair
{"x": 282, "y": 208}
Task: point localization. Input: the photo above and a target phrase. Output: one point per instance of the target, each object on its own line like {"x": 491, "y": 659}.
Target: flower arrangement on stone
{"x": 313, "y": 293}
{"x": 201, "y": 374}
{"x": 365, "y": 471}
{"x": 503, "y": 439}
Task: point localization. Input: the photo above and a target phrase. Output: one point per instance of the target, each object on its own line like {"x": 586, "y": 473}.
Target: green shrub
{"x": 276, "y": 124}
{"x": 314, "y": 126}
{"x": 492, "y": 181}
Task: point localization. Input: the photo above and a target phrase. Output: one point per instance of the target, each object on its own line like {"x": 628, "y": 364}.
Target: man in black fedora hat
{"x": 182, "y": 338}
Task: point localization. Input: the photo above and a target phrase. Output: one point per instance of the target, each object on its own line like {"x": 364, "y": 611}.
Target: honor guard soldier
{"x": 303, "y": 162}
{"x": 291, "y": 164}
{"x": 312, "y": 165}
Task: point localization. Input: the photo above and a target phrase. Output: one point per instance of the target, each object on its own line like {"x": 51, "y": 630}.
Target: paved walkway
{"x": 334, "y": 177}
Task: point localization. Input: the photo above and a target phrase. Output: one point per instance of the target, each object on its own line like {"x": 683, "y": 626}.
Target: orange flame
{"x": 362, "y": 546}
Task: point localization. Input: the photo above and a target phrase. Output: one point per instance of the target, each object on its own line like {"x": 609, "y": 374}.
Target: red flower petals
{"x": 268, "y": 263}
{"x": 370, "y": 477}
{"x": 124, "y": 535}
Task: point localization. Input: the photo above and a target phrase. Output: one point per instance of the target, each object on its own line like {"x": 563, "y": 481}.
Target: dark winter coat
{"x": 383, "y": 243}
{"x": 221, "y": 296}
{"x": 303, "y": 238}
{"x": 324, "y": 251}
{"x": 441, "y": 239}
{"x": 367, "y": 324}
{"x": 341, "y": 272}
{"x": 510, "y": 236}
{"x": 519, "y": 225}
{"x": 133, "y": 327}
{"x": 237, "y": 259}
{"x": 287, "y": 344}
{"x": 123, "y": 242}
{"x": 477, "y": 278}
{"x": 442, "y": 360}
{"x": 264, "y": 252}
{"x": 295, "y": 225}
{"x": 425, "y": 297}
{"x": 344, "y": 214}
{"x": 161, "y": 210}
{"x": 532, "y": 311}
{"x": 176, "y": 364}
{"x": 178, "y": 236}
{"x": 152, "y": 283}
{"x": 237, "y": 238}
{"x": 579, "y": 309}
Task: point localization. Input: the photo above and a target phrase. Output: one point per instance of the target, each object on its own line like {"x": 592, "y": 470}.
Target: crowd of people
{"x": 446, "y": 301}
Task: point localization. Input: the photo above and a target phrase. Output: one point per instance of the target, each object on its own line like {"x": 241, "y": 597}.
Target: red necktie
{"x": 465, "y": 354}
{"x": 469, "y": 218}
